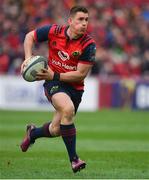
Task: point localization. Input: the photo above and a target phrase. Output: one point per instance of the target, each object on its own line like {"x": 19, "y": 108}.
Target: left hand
{"x": 45, "y": 74}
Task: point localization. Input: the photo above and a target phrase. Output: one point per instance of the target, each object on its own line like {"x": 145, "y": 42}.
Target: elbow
{"x": 29, "y": 36}
{"x": 82, "y": 76}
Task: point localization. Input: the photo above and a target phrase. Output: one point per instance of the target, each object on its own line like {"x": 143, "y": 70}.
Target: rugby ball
{"x": 33, "y": 66}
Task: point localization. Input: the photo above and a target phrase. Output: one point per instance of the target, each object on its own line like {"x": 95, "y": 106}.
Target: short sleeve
{"x": 88, "y": 55}
{"x": 41, "y": 34}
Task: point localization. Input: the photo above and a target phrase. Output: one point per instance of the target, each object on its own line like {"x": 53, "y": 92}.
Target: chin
{"x": 81, "y": 32}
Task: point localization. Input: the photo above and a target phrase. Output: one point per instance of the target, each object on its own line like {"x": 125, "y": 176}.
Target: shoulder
{"x": 86, "y": 40}
{"x": 41, "y": 33}
{"x": 45, "y": 33}
{"x": 57, "y": 29}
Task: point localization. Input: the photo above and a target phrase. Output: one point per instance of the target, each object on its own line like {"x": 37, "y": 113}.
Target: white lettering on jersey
{"x": 64, "y": 65}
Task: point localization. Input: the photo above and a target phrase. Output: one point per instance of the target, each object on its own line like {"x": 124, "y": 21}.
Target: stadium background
{"x": 117, "y": 91}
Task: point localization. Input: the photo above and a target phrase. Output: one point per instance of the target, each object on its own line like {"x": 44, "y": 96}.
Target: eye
{"x": 86, "y": 19}
{"x": 81, "y": 18}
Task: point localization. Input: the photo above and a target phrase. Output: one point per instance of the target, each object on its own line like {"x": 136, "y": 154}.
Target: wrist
{"x": 56, "y": 76}
{"x": 28, "y": 58}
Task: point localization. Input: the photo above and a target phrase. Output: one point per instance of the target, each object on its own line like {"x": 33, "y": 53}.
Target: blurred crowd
{"x": 119, "y": 27}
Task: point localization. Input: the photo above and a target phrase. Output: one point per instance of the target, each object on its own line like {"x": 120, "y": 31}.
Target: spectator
{"x": 121, "y": 28}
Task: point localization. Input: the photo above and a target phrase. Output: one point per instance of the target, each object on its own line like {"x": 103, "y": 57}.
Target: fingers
{"x": 44, "y": 70}
{"x": 25, "y": 63}
{"x": 22, "y": 66}
{"x": 43, "y": 75}
{"x": 40, "y": 76}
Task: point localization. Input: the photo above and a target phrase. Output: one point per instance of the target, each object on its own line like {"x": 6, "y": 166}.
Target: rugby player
{"x": 71, "y": 56}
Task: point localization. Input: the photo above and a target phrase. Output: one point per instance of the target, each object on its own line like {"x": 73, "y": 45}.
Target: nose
{"x": 84, "y": 23}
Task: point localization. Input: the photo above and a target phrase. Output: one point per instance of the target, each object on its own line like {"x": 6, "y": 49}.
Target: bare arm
{"x": 28, "y": 46}
{"x": 75, "y": 76}
{"x": 72, "y": 76}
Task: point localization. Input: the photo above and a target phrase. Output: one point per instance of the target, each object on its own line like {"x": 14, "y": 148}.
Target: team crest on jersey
{"x": 63, "y": 55}
{"x": 76, "y": 53}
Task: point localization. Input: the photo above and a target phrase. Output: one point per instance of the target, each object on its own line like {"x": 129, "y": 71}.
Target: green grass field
{"x": 114, "y": 143}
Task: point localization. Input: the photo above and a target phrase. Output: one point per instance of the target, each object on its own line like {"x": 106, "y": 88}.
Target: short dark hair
{"x": 76, "y": 9}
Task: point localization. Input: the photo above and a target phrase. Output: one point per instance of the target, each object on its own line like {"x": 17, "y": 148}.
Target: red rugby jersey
{"x": 65, "y": 54}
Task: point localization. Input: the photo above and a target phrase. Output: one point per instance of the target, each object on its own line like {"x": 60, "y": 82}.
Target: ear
{"x": 69, "y": 20}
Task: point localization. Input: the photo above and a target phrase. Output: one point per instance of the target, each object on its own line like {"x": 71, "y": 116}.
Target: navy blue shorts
{"x": 53, "y": 87}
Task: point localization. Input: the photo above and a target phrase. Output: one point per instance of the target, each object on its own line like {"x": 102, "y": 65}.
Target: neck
{"x": 72, "y": 34}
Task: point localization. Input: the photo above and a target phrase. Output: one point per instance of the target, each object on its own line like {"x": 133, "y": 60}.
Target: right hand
{"x": 24, "y": 64}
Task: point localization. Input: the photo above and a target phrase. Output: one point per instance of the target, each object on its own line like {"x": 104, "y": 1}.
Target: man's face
{"x": 78, "y": 23}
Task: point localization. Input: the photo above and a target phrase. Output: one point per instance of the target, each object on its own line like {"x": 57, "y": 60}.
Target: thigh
{"x": 69, "y": 96}
{"x": 76, "y": 97}
{"x": 62, "y": 101}
{"x": 53, "y": 87}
